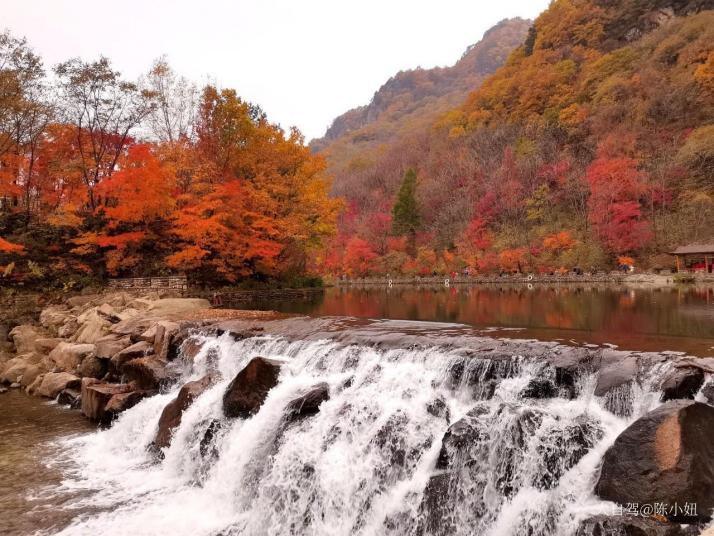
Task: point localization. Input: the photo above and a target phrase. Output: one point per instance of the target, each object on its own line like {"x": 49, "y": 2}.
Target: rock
{"x": 665, "y": 457}
{"x": 149, "y": 335}
{"x": 68, "y": 356}
{"x": 168, "y": 306}
{"x": 34, "y": 386}
{"x": 123, "y": 401}
{"x": 54, "y": 316}
{"x": 14, "y": 369}
{"x": 71, "y": 398}
{"x": 96, "y": 396}
{"x": 80, "y": 301}
{"x": 92, "y": 327}
{"x": 629, "y": 525}
{"x": 171, "y": 416}
{"x": 15, "y": 385}
{"x": 68, "y": 329}
{"x": 45, "y": 345}
{"x": 248, "y": 390}
{"x": 308, "y": 403}
{"x": 132, "y": 327}
{"x": 147, "y": 372}
{"x": 616, "y": 374}
{"x": 30, "y": 375}
{"x": 682, "y": 382}
{"x": 110, "y": 345}
{"x": 55, "y": 382}
{"x": 107, "y": 312}
{"x": 165, "y": 331}
{"x": 93, "y": 367}
{"x": 136, "y": 350}
{"x": 24, "y": 337}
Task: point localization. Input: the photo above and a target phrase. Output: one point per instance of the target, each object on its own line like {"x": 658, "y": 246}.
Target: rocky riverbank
{"x": 104, "y": 354}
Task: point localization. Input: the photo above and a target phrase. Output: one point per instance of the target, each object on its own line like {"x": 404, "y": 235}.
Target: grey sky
{"x": 304, "y": 62}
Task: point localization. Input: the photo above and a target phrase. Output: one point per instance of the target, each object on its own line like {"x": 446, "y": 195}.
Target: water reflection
{"x": 680, "y": 319}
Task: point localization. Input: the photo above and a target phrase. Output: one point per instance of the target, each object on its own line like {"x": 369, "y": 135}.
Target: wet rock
{"x": 45, "y": 345}
{"x": 438, "y": 408}
{"x": 461, "y": 435}
{"x": 71, "y": 398}
{"x": 207, "y": 446}
{"x": 121, "y": 402}
{"x": 171, "y": 416}
{"x": 68, "y": 356}
{"x": 616, "y": 374}
{"x": 185, "y": 346}
{"x": 248, "y": 390}
{"x": 96, "y": 395}
{"x": 93, "y": 367}
{"x": 147, "y": 372}
{"x": 540, "y": 388}
{"x": 631, "y": 526}
{"x": 55, "y": 382}
{"x": 24, "y": 337}
{"x": 136, "y": 350}
{"x": 665, "y": 457}
{"x": 308, "y": 403}
{"x": 563, "y": 447}
{"x": 682, "y": 383}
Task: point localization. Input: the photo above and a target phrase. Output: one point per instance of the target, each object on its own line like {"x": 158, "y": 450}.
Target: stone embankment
{"x": 103, "y": 353}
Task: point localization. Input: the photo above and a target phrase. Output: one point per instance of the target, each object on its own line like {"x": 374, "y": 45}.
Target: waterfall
{"x": 370, "y": 462}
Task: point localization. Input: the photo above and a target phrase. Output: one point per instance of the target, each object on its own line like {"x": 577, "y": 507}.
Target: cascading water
{"x": 370, "y": 461}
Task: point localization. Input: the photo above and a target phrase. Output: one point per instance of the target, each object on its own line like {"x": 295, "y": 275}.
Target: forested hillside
{"x": 594, "y": 141}
{"x": 101, "y": 176}
{"x": 409, "y": 103}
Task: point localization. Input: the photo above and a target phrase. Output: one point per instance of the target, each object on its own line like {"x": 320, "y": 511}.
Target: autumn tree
{"x": 103, "y": 109}
{"x": 406, "y": 219}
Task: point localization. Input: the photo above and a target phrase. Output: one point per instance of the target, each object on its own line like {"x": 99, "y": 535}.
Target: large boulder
{"x": 55, "y": 382}
{"x": 68, "y": 356}
{"x": 682, "y": 382}
{"x": 171, "y": 416}
{"x": 110, "y": 345}
{"x": 628, "y": 525}
{"x": 665, "y": 457}
{"x": 96, "y": 396}
{"x": 248, "y": 390}
{"x": 308, "y": 403}
{"x": 24, "y": 337}
{"x": 136, "y": 350}
{"x": 92, "y": 327}
{"x": 147, "y": 372}
{"x": 93, "y": 367}
{"x": 14, "y": 370}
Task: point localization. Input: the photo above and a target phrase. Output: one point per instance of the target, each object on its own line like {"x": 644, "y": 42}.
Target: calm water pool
{"x": 677, "y": 319}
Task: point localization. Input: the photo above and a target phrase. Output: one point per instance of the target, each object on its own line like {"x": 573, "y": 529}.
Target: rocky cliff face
{"x": 420, "y": 93}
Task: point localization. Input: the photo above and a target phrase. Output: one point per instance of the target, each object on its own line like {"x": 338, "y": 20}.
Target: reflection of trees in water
{"x": 583, "y": 307}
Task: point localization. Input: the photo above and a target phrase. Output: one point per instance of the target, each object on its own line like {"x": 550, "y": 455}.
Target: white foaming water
{"x": 365, "y": 463}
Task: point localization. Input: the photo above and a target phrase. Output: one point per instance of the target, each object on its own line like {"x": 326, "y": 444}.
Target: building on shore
{"x": 697, "y": 257}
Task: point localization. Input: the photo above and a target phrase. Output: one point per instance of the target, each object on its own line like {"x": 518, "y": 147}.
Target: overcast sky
{"x": 304, "y": 62}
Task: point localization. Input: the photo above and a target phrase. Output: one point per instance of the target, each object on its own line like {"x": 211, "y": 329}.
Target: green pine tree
{"x": 405, "y": 213}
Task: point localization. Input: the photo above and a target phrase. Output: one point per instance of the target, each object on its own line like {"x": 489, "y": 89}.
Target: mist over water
{"x": 366, "y": 463}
